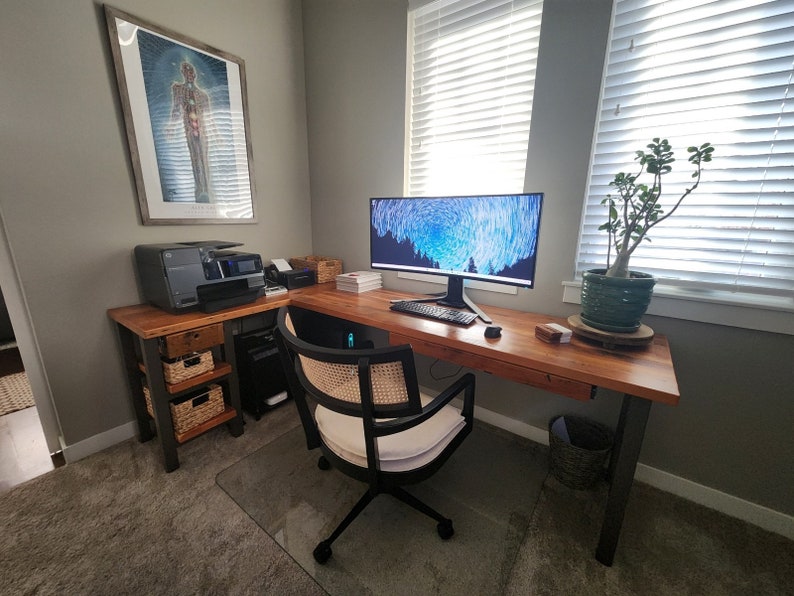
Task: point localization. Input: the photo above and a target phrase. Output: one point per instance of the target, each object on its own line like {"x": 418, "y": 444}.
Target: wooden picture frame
{"x": 186, "y": 115}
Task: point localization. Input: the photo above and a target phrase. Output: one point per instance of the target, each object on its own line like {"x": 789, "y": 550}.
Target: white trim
{"x": 770, "y": 313}
{"x": 522, "y": 429}
{"x": 97, "y": 443}
{"x": 752, "y": 513}
{"x": 27, "y": 342}
{"x": 738, "y": 242}
{"x": 415, "y": 4}
{"x": 469, "y": 284}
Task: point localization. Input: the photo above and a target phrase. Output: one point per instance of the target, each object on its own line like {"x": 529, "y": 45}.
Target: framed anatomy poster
{"x": 186, "y": 115}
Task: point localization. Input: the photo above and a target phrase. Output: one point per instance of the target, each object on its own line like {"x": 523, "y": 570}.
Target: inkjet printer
{"x": 183, "y": 276}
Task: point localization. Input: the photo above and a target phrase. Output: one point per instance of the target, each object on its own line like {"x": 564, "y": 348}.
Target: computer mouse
{"x": 492, "y": 331}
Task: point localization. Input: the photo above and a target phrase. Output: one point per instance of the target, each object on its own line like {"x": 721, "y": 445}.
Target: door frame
{"x": 27, "y": 343}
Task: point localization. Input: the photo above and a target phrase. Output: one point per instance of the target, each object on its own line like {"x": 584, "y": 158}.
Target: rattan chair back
{"x": 337, "y": 378}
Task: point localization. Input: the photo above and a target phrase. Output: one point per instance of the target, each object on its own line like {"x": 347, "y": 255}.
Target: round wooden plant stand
{"x": 641, "y": 337}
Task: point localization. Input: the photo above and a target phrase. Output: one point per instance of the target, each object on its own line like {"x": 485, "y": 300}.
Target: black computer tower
{"x": 263, "y": 385}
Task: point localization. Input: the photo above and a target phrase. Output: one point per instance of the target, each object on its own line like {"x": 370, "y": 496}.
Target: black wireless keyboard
{"x": 432, "y": 311}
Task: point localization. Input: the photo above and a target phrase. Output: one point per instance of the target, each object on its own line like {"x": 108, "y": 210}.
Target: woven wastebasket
{"x": 578, "y": 449}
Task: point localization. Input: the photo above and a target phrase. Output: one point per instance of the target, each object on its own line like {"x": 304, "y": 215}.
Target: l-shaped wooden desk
{"x": 644, "y": 375}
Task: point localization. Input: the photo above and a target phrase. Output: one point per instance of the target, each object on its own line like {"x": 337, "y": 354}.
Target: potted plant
{"x": 614, "y": 299}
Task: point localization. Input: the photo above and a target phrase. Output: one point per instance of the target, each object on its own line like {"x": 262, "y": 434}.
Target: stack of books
{"x": 359, "y": 281}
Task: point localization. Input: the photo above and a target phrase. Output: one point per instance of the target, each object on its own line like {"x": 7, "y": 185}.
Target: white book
{"x": 358, "y": 277}
{"x": 357, "y": 288}
{"x": 358, "y": 282}
{"x": 365, "y": 287}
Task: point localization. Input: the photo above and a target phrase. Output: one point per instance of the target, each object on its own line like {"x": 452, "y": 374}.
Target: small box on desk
{"x": 553, "y": 333}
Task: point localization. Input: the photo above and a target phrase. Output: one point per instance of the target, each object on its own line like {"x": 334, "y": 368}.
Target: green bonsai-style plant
{"x": 636, "y": 209}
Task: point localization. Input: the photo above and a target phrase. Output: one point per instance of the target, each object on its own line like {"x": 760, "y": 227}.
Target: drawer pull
{"x": 188, "y": 362}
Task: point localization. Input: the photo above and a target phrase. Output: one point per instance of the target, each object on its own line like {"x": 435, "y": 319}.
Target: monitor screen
{"x": 492, "y": 238}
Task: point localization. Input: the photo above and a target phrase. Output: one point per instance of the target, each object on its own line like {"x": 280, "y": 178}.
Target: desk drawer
{"x": 519, "y": 374}
{"x": 195, "y": 340}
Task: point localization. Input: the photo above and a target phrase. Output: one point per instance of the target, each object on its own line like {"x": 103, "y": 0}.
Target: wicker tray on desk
{"x": 325, "y": 268}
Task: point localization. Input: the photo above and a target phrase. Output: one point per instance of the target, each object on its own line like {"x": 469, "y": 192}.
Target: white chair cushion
{"x": 400, "y": 452}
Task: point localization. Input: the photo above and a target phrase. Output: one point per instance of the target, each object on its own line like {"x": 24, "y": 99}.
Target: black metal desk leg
{"x": 162, "y": 411}
{"x": 236, "y": 423}
{"x": 623, "y": 463}
{"x": 127, "y": 341}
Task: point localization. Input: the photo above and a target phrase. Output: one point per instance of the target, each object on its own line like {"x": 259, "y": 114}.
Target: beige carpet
{"x": 116, "y": 523}
{"x": 15, "y": 393}
{"x": 488, "y": 488}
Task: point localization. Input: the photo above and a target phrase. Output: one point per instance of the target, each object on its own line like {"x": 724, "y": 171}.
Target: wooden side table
{"x": 141, "y": 330}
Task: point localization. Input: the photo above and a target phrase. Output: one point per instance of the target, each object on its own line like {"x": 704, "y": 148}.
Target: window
{"x": 470, "y": 84}
{"x": 694, "y": 71}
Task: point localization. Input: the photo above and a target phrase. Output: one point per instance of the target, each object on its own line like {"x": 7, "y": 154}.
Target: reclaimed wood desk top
{"x": 147, "y": 321}
{"x": 569, "y": 369}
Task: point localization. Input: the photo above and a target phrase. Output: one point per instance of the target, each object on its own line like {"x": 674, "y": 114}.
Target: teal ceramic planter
{"x": 615, "y": 304}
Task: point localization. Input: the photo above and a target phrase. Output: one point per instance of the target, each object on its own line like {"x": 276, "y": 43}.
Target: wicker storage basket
{"x": 192, "y": 409}
{"x": 577, "y": 460}
{"x": 176, "y": 370}
{"x": 325, "y": 268}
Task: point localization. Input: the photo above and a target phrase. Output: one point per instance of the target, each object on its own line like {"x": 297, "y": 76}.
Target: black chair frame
{"x": 378, "y": 420}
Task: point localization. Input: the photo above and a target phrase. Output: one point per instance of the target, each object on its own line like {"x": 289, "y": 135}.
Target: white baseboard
{"x": 758, "y": 515}
{"x": 96, "y": 443}
{"x": 752, "y": 513}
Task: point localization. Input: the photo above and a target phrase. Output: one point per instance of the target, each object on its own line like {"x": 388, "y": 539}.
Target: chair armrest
{"x": 463, "y": 384}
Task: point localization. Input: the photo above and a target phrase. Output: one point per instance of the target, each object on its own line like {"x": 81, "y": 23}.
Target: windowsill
{"x": 469, "y": 283}
{"x": 748, "y": 311}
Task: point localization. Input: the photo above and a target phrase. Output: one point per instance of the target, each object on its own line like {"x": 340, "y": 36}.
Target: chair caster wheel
{"x": 323, "y": 463}
{"x": 322, "y": 552}
{"x": 445, "y": 529}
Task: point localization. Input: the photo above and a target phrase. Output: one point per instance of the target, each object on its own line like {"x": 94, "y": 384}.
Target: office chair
{"x": 370, "y": 420}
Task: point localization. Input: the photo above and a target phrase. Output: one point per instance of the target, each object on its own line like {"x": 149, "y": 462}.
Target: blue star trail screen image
{"x": 491, "y": 238}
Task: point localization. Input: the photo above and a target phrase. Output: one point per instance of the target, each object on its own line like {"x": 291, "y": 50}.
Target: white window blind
{"x": 471, "y": 79}
{"x": 694, "y": 71}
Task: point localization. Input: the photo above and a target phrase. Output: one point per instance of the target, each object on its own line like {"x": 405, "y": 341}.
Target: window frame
{"x": 767, "y": 312}
{"x": 491, "y": 188}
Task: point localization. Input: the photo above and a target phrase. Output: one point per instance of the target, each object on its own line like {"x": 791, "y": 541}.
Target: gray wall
{"x": 732, "y": 428}
{"x": 70, "y": 212}
{"x": 68, "y": 201}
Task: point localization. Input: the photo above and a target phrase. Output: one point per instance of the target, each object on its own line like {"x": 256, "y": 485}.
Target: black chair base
{"x": 322, "y": 552}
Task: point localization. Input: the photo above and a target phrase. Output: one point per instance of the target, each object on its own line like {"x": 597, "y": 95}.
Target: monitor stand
{"x": 456, "y": 298}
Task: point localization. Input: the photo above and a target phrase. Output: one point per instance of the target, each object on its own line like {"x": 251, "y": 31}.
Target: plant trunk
{"x": 620, "y": 268}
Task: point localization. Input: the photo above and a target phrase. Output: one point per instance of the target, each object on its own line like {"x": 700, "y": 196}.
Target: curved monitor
{"x": 491, "y": 238}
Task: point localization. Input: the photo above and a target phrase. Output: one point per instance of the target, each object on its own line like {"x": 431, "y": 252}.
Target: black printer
{"x": 183, "y": 276}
